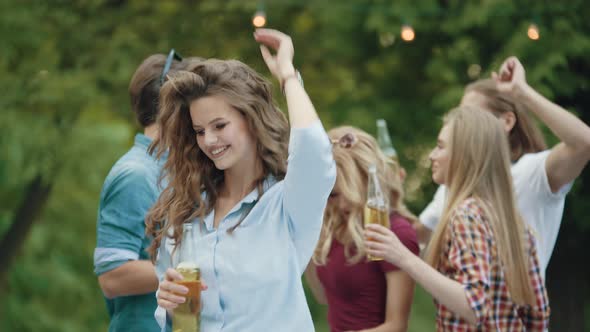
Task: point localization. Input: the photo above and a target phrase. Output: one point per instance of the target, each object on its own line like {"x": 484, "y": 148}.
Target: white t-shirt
{"x": 539, "y": 207}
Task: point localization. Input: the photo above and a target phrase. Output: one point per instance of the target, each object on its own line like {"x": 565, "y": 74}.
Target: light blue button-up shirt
{"x": 254, "y": 274}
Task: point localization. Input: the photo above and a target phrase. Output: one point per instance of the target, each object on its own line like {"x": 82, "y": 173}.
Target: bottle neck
{"x": 187, "y": 230}
{"x": 375, "y": 195}
{"x": 186, "y": 250}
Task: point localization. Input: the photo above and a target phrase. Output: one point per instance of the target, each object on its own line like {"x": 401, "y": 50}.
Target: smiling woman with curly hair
{"x": 256, "y": 222}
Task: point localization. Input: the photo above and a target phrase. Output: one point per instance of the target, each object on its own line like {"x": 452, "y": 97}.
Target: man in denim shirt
{"x": 125, "y": 274}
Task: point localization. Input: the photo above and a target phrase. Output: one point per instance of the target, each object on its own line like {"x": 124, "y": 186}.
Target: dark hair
{"x": 144, "y": 88}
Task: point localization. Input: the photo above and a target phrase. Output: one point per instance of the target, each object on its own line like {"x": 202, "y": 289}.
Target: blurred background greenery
{"x": 65, "y": 115}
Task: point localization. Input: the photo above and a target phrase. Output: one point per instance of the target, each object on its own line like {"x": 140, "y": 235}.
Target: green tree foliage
{"x": 65, "y": 119}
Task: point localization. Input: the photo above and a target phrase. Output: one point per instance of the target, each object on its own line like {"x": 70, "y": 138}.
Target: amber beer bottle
{"x": 187, "y": 315}
{"x": 377, "y": 206}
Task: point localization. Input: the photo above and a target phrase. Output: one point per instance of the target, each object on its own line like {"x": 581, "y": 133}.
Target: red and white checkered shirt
{"x": 470, "y": 257}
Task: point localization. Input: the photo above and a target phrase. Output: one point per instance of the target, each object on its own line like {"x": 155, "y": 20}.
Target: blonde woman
{"x": 361, "y": 295}
{"x": 481, "y": 266}
{"x": 542, "y": 177}
{"x": 257, "y": 222}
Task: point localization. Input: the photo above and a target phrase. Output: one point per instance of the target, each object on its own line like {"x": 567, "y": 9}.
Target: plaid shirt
{"x": 471, "y": 258}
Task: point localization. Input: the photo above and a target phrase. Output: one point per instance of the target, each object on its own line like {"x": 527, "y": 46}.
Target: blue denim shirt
{"x": 254, "y": 274}
{"x": 128, "y": 192}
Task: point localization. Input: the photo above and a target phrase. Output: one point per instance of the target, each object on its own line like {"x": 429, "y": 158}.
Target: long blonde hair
{"x": 479, "y": 167}
{"x": 188, "y": 170}
{"x": 351, "y": 182}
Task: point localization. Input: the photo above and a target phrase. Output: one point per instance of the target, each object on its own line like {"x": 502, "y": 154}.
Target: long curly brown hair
{"x": 188, "y": 171}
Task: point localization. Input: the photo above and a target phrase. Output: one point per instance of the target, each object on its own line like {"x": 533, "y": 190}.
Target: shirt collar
{"x": 251, "y": 198}
{"x": 142, "y": 141}
{"x": 254, "y": 195}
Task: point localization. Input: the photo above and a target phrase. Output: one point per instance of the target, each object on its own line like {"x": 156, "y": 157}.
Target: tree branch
{"x": 32, "y": 204}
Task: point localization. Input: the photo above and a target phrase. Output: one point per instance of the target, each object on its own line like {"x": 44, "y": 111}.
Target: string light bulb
{"x": 408, "y": 33}
{"x": 259, "y": 18}
{"x": 533, "y": 32}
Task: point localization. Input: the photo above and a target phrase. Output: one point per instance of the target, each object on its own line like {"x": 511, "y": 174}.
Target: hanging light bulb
{"x": 533, "y": 32}
{"x": 407, "y": 33}
{"x": 259, "y": 18}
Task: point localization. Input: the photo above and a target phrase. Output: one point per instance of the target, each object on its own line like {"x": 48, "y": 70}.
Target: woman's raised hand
{"x": 280, "y": 64}
{"x": 511, "y": 77}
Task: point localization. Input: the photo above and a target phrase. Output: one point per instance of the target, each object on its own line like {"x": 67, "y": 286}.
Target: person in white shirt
{"x": 542, "y": 177}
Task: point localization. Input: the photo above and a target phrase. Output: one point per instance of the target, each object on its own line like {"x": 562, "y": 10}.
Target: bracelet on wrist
{"x": 296, "y": 74}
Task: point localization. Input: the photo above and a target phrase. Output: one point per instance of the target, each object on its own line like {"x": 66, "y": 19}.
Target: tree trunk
{"x": 32, "y": 204}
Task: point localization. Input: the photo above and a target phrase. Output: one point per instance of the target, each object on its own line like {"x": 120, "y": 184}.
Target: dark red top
{"x": 357, "y": 293}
